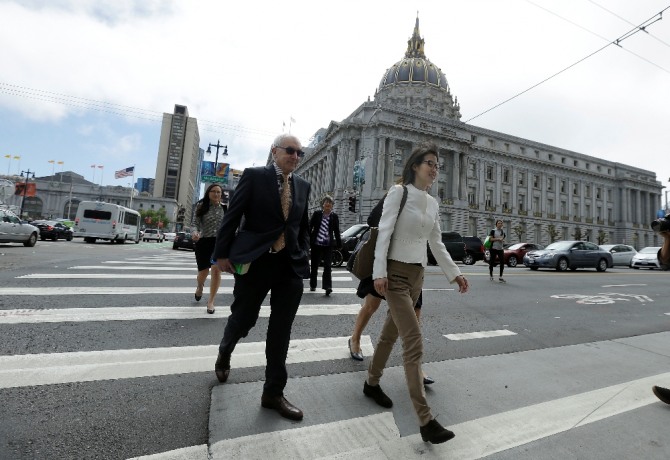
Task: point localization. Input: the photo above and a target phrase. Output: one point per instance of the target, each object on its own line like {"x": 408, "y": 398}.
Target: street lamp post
{"x": 28, "y": 174}
{"x": 218, "y": 146}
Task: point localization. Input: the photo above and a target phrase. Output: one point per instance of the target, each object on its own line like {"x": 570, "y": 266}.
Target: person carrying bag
{"x": 362, "y": 259}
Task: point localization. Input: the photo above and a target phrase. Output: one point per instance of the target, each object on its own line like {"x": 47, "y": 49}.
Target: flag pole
{"x": 132, "y": 188}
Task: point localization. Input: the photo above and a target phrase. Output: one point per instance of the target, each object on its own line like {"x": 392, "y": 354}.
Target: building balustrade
{"x": 537, "y": 214}
{"x": 523, "y": 213}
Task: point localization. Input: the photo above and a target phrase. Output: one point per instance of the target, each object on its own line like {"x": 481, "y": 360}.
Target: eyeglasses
{"x": 291, "y": 151}
{"x": 431, "y": 164}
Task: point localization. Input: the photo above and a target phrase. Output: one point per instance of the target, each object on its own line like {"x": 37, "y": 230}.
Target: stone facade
{"x": 542, "y": 192}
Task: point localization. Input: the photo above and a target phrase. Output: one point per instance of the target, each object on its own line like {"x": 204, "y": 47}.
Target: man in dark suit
{"x": 324, "y": 234}
{"x": 264, "y": 242}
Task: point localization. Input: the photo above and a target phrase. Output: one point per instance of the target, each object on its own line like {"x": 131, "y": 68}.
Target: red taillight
{"x": 49, "y": 227}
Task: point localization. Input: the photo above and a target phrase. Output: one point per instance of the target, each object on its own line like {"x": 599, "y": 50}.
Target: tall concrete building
{"x": 542, "y": 192}
{"x": 179, "y": 158}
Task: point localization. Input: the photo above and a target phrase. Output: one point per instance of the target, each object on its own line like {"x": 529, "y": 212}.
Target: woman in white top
{"x": 400, "y": 258}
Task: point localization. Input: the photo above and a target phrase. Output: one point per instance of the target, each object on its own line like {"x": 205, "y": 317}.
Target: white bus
{"x": 106, "y": 221}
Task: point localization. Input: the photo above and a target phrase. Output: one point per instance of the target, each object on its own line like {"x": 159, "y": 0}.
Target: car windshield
{"x": 560, "y": 246}
{"x": 351, "y": 231}
{"x": 649, "y": 250}
{"x": 516, "y": 246}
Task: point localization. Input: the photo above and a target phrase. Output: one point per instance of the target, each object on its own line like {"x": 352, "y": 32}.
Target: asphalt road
{"x": 109, "y": 417}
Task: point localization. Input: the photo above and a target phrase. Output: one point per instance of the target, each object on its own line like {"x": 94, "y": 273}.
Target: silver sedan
{"x": 562, "y": 255}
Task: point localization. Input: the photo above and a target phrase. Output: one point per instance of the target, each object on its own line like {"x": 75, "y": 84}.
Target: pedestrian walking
{"x": 324, "y": 235}
{"x": 400, "y": 258}
{"x": 264, "y": 242}
{"x": 496, "y": 251}
{"x": 209, "y": 213}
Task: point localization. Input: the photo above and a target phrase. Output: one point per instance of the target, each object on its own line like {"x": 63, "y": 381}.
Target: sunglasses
{"x": 291, "y": 151}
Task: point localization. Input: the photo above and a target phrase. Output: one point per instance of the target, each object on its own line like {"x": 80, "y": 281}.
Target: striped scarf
{"x": 322, "y": 238}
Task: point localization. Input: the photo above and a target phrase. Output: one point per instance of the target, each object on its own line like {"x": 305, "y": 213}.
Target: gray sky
{"x": 244, "y": 68}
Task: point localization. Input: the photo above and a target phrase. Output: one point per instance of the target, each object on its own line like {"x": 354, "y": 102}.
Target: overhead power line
{"x": 123, "y": 110}
{"x": 640, "y": 28}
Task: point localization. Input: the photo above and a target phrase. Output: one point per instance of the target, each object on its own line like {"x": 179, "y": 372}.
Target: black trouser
{"x": 500, "y": 254}
{"x": 269, "y": 273}
{"x": 319, "y": 253}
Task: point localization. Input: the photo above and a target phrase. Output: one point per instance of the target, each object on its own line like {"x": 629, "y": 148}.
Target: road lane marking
{"x": 129, "y": 290}
{"x": 133, "y": 276}
{"x": 200, "y": 452}
{"x": 88, "y": 366}
{"x": 479, "y": 335}
{"x": 377, "y": 436}
{"x": 622, "y": 285}
{"x": 62, "y": 315}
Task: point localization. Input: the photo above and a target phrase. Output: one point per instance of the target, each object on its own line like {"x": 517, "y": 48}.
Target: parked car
{"x": 562, "y": 255}
{"x": 52, "y": 230}
{"x": 169, "y": 236}
{"x": 646, "y": 258}
{"x": 474, "y": 250}
{"x": 183, "y": 240}
{"x": 455, "y": 246}
{"x": 12, "y": 230}
{"x": 153, "y": 234}
{"x": 622, "y": 254}
{"x": 514, "y": 253}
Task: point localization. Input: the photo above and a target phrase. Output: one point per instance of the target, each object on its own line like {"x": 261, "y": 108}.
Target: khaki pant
{"x": 404, "y": 287}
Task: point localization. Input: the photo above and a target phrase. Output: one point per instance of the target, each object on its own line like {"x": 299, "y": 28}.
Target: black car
{"x": 52, "y": 230}
{"x": 455, "y": 246}
{"x": 474, "y": 250}
{"x": 183, "y": 240}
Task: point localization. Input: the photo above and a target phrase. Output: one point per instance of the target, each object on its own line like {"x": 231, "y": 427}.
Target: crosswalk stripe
{"x": 61, "y": 315}
{"x": 88, "y": 366}
{"x": 377, "y": 436}
{"x": 129, "y": 290}
{"x": 148, "y": 262}
{"x": 133, "y": 276}
{"x": 200, "y": 452}
{"x": 479, "y": 335}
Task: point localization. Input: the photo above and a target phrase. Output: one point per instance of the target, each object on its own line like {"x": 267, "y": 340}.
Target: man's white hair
{"x": 279, "y": 140}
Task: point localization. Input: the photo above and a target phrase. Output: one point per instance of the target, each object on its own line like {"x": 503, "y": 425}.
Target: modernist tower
{"x": 179, "y": 154}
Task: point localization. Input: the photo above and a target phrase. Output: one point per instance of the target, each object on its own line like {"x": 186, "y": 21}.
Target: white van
{"x": 106, "y": 221}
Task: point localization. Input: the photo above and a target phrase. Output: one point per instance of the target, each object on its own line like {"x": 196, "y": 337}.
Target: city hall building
{"x": 543, "y": 193}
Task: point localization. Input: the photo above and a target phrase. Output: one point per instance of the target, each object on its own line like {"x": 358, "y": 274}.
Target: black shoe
{"x": 661, "y": 393}
{"x": 376, "y": 393}
{"x": 358, "y": 356}
{"x": 428, "y": 380}
{"x": 312, "y": 289}
{"x": 281, "y": 405}
{"x": 435, "y": 433}
{"x": 222, "y": 368}
{"x": 328, "y": 291}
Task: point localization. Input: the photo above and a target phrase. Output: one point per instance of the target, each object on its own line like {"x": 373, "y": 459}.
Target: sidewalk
{"x": 576, "y": 401}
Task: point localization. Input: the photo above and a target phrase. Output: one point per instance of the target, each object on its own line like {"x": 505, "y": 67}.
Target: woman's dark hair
{"x": 203, "y": 205}
{"x": 416, "y": 158}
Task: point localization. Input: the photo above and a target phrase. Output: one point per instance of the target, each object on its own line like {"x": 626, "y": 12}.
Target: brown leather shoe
{"x": 281, "y": 405}
{"x": 222, "y": 368}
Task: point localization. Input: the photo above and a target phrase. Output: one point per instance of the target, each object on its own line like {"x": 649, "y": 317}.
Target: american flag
{"x": 124, "y": 172}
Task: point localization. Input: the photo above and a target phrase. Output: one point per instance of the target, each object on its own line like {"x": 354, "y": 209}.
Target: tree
{"x": 519, "y": 230}
{"x": 553, "y": 233}
{"x": 578, "y": 233}
{"x": 151, "y": 217}
{"x": 602, "y": 237}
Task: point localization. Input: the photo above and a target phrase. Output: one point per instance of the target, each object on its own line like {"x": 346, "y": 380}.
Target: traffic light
{"x": 352, "y": 203}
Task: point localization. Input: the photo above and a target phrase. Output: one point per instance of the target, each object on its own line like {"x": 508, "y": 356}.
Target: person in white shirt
{"x": 400, "y": 258}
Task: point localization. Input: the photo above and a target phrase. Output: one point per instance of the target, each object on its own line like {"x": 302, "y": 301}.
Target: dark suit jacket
{"x": 333, "y": 228}
{"x": 254, "y": 220}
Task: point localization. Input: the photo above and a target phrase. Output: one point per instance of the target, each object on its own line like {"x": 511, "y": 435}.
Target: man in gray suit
{"x": 264, "y": 242}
